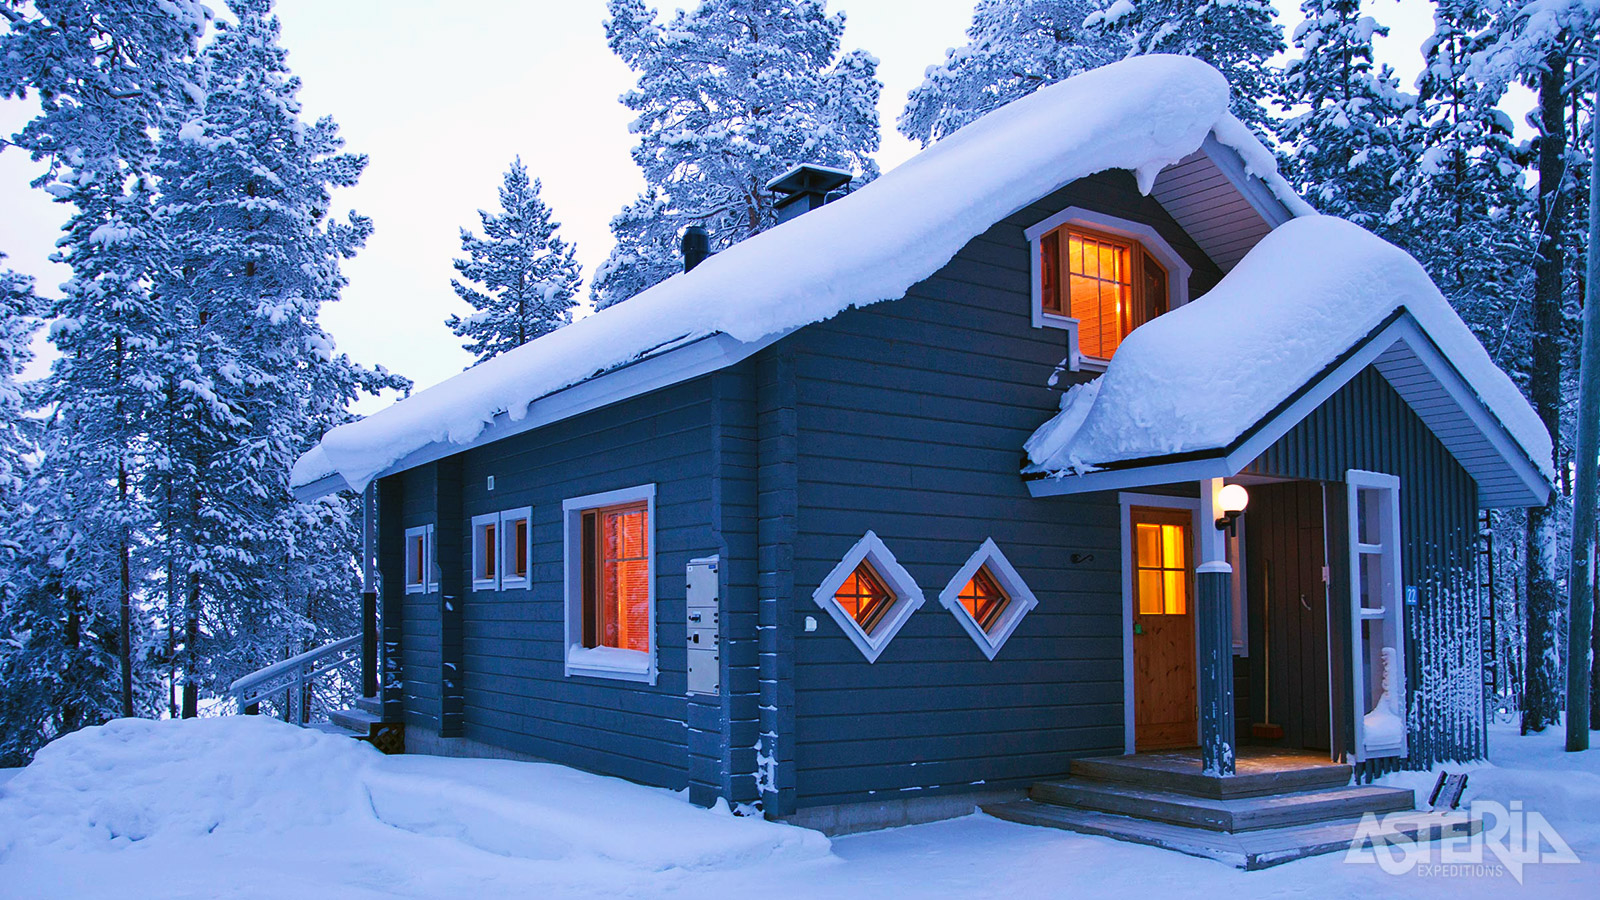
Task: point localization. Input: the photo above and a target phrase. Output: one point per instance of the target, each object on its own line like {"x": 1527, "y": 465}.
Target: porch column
{"x": 369, "y": 593}
{"x": 1214, "y": 639}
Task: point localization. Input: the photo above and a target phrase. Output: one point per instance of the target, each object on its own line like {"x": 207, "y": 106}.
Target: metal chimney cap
{"x": 808, "y": 177}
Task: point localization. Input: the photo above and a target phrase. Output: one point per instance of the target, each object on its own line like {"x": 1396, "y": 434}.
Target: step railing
{"x": 298, "y": 676}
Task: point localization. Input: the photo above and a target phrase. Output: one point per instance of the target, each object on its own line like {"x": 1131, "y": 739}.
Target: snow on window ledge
{"x": 608, "y": 662}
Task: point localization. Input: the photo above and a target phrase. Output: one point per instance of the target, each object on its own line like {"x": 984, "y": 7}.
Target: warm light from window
{"x": 864, "y": 597}
{"x": 1161, "y": 568}
{"x": 983, "y": 599}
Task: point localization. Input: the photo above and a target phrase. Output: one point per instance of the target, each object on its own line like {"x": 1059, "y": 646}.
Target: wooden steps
{"x": 365, "y": 722}
{"x": 1245, "y": 850}
{"x": 1251, "y": 813}
{"x": 1278, "y": 807}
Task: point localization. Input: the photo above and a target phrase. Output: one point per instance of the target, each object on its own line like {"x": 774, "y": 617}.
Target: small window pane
{"x": 864, "y": 597}
{"x": 983, "y": 599}
{"x": 1050, "y": 272}
{"x": 1150, "y": 600}
{"x": 625, "y": 578}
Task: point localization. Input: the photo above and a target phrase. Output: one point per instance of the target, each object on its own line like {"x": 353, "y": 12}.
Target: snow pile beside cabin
{"x": 1141, "y": 115}
{"x": 1198, "y": 377}
{"x": 208, "y": 786}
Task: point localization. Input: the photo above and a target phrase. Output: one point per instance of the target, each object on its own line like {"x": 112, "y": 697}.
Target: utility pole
{"x": 1580, "y": 586}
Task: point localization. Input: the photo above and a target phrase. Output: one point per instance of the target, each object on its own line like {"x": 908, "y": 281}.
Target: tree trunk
{"x": 125, "y": 595}
{"x": 191, "y": 634}
{"x": 1541, "y": 700}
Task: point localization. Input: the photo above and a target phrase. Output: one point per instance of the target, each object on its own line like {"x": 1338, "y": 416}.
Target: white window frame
{"x": 908, "y": 596}
{"x": 507, "y": 537}
{"x": 1019, "y": 599}
{"x": 1388, "y": 549}
{"x": 478, "y": 536}
{"x": 1178, "y": 271}
{"x": 614, "y": 663}
{"x": 429, "y": 580}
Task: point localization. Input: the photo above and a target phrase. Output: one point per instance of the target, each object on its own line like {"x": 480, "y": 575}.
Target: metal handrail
{"x": 293, "y": 674}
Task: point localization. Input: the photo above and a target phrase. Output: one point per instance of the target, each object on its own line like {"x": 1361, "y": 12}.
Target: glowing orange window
{"x": 864, "y": 597}
{"x": 984, "y": 599}
{"x": 1161, "y": 562}
{"x": 1110, "y": 284}
{"x": 617, "y": 577}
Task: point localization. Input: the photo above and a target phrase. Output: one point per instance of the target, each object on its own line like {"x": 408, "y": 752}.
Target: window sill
{"x": 609, "y": 662}
{"x": 514, "y": 584}
{"x": 488, "y": 584}
{"x": 416, "y": 589}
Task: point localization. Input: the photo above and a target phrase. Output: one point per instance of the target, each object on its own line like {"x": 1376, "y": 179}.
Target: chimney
{"x": 696, "y": 246}
{"x": 804, "y": 188}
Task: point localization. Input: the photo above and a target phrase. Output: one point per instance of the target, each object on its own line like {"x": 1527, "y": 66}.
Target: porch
{"x": 1278, "y": 806}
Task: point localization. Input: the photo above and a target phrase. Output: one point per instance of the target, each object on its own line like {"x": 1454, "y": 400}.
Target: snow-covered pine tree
{"x": 1239, "y": 37}
{"x": 19, "y": 319}
{"x": 101, "y": 72}
{"x": 731, "y": 94}
{"x": 252, "y": 253}
{"x": 1344, "y": 131}
{"x": 521, "y": 278}
{"x": 1536, "y": 42}
{"x": 1013, "y": 48}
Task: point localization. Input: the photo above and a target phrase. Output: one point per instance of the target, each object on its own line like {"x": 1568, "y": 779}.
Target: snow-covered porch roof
{"x": 1164, "y": 118}
{"x": 1204, "y": 390}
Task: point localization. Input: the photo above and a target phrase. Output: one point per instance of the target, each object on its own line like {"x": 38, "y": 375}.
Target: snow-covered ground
{"x": 249, "y": 807}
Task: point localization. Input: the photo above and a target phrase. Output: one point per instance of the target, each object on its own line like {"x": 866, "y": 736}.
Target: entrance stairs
{"x": 1277, "y": 808}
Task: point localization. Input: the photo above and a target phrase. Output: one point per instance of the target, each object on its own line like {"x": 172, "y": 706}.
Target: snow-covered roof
{"x": 1200, "y": 378}
{"x": 1141, "y": 114}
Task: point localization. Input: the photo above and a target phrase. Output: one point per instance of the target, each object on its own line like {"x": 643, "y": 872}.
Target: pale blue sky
{"x": 442, "y": 95}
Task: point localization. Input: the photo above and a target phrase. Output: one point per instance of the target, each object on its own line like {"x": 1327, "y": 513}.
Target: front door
{"x": 1166, "y": 713}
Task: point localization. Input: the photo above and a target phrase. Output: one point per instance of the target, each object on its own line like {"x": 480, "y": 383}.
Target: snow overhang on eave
{"x": 1433, "y": 388}
{"x": 671, "y": 365}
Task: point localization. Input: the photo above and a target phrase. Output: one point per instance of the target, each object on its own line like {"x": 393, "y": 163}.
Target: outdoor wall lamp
{"x": 1232, "y": 499}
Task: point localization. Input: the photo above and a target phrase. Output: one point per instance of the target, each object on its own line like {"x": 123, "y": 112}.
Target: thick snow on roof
{"x": 1142, "y": 114}
{"x": 1196, "y": 378}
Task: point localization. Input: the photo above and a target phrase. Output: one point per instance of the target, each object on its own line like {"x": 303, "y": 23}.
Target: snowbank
{"x": 1141, "y": 114}
{"x": 134, "y": 780}
{"x": 217, "y": 782}
{"x": 1196, "y": 378}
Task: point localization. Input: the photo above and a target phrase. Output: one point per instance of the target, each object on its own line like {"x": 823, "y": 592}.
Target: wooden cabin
{"x": 819, "y": 528}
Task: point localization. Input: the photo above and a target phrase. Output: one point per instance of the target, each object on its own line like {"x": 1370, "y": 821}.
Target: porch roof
{"x": 1202, "y": 391}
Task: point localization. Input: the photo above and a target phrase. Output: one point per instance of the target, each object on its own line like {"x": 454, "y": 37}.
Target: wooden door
{"x": 1166, "y": 713}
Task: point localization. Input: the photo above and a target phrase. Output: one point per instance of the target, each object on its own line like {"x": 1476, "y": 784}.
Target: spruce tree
{"x": 1344, "y": 135}
{"x": 252, "y": 253}
{"x": 1239, "y": 37}
{"x": 1537, "y": 43}
{"x": 730, "y": 94}
{"x": 101, "y": 72}
{"x": 521, "y": 279}
{"x": 1013, "y": 48}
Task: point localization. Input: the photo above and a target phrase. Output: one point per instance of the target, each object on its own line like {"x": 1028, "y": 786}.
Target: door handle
{"x": 1137, "y": 628}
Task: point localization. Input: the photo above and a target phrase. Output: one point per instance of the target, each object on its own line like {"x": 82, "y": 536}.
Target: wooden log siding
{"x": 911, "y": 417}
{"x": 1366, "y": 425}
{"x": 514, "y": 693}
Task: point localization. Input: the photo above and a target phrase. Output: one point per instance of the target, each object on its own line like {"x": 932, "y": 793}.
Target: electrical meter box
{"x": 704, "y": 606}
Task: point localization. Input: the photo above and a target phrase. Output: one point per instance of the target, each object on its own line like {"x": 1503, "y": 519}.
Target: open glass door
{"x": 1377, "y": 619}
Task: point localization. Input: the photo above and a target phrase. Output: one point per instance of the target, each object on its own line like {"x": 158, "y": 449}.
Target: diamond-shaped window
{"x": 870, "y": 595}
{"x": 988, "y": 598}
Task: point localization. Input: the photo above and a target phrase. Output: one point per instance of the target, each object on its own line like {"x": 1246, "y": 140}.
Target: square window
{"x": 610, "y": 584}
{"x": 870, "y": 595}
{"x": 988, "y": 597}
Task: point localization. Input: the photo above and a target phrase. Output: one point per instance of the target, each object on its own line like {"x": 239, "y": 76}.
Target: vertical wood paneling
{"x": 1366, "y": 425}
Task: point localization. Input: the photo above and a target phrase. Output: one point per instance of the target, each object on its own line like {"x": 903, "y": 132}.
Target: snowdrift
{"x": 246, "y": 778}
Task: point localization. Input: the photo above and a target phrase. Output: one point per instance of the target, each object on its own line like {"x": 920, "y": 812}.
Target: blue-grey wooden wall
{"x": 1366, "y": 425}
{"x": 514, "y": 693}
{"x": 910, "y": 420}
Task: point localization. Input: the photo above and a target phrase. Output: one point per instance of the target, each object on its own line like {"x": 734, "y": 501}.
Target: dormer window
{"x": 1101, "y": 277}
